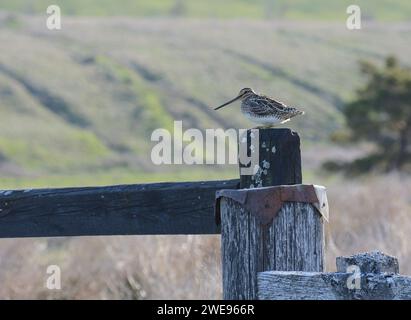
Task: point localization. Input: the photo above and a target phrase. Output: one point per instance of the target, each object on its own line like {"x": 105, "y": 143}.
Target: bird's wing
{"x": 265, "y": 106}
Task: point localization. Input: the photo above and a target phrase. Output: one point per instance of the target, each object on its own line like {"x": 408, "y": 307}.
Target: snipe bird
{"x": 262, "y": 109}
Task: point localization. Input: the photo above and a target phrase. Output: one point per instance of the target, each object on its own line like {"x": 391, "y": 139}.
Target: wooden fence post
{"x": 293, "y": 240}
{"x": 279, "y": 159}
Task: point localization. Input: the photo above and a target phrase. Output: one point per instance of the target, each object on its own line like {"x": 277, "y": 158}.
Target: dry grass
{"x": 365, "y": 214}
{"x": 155, "y": 267}
{"x": 371, "y": 214}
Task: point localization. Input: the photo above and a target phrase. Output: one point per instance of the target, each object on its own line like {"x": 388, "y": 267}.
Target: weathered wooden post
{"x": 365, "y": 276}
{"x": 279, "y": 157}
{"x": 260, "y": 228}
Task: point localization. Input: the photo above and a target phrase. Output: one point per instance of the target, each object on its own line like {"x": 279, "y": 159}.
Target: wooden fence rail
{"x": 164, "y": 208}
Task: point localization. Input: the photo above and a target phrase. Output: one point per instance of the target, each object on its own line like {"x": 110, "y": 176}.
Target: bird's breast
{"x": 266, "y": 120}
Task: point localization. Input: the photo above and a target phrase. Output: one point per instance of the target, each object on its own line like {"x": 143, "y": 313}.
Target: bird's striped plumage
{"x": 262, "y": 109}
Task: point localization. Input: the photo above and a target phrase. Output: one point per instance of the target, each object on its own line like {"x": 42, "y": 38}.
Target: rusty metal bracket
{"x": 265, "y": 203}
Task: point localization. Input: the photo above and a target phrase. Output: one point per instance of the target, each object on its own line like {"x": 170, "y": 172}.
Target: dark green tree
{"x": 381, "y": 113}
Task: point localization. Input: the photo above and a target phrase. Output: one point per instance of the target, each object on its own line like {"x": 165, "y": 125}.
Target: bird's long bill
{"x": 227, "y": 103}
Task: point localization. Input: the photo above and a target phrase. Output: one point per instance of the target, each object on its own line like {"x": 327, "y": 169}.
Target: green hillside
{"x": 257, "y": 9}
{"x": 78, "y": 106}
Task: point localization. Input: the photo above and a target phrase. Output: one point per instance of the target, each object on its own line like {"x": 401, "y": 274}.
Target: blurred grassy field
{"x": 82, "y": 102}
{"x": 256, "y": 9}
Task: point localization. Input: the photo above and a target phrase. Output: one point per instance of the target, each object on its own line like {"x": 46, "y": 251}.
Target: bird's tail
{"x": 295, "y": 112}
